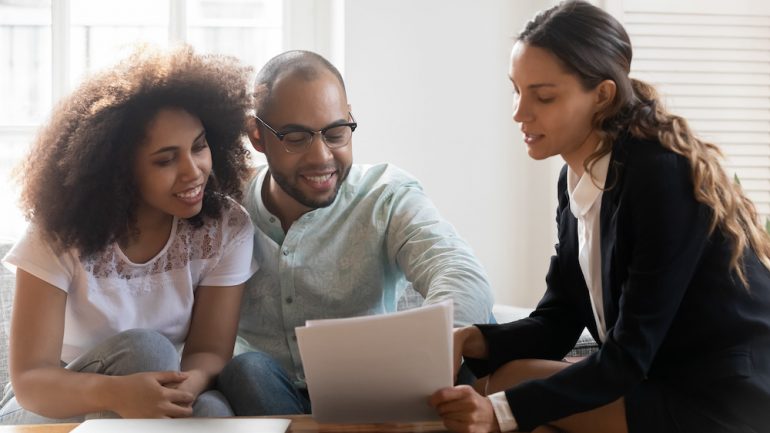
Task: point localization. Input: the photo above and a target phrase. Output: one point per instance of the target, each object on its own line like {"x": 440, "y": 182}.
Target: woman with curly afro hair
{"x": 135, "y": 246}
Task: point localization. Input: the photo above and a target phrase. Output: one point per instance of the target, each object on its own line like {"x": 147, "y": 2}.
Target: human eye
{"x": 295, "y": 137}
{"x": 337, "y": 135}
{"x": 545, "y": 99}
{"x": 516, "y": 95}
{"x": 200, "y": 145}
{"x": 165, "y": 162}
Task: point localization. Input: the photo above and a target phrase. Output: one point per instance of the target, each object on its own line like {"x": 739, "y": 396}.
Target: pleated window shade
{"x": 711, "y": 64}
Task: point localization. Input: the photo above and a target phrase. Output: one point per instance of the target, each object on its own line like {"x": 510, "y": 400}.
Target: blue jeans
{"x": 132, "y": 351}
{"x": 255, "y": 384}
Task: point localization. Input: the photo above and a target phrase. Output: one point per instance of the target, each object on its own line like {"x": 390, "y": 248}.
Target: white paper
{"x": 184, "y": 425}
{"x": 379, "y": 368}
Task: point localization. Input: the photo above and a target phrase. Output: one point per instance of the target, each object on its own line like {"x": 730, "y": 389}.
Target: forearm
{"x": 448, "y": 270}
{"x": 443, "y": 267}
{"x": 55, "y": 392}
{"x": 210, "y": 342}
{"x": 470, "y": 295}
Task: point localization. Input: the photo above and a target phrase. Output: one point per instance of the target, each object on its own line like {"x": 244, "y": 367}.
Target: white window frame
{"x": 316, "y": 25}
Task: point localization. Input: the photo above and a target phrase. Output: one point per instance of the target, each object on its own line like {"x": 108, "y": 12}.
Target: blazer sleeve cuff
{"x": 503, "y": 412}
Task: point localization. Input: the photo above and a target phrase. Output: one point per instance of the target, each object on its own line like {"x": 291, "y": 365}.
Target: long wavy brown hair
{"x": 595, "y": 47}
{"x": 77, "y": 183}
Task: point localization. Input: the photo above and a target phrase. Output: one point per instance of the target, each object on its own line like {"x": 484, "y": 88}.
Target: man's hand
{"x": 463, "y": 410}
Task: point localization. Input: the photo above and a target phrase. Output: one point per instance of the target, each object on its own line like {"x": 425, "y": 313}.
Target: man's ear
{"x": 605, "y": 94}
{"x": 253, "y": 132}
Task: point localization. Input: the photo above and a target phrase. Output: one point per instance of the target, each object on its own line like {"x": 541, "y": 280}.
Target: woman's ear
{"x": 253, "y": 132}
{"x": 605, "y": 94}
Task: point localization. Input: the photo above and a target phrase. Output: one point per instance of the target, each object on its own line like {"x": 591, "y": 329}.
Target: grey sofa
{"x": 7, "y": 284}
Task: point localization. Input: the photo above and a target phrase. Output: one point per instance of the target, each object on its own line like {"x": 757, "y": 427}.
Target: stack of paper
{"x": 378, "y": 368}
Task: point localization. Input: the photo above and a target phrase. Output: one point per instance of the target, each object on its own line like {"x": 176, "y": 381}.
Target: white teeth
{"x": 191, "y": 193}
{"x": 319, "y": 179}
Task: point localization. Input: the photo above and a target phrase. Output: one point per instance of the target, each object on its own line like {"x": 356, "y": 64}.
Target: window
{"x": 47, "y": 46}
{"x": 710, "y": 60}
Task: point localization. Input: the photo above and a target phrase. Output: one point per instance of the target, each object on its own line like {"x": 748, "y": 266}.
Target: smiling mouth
{"x": 530, "y": 138}
{"x": 320, "y": 182}
{"x": 190, "y": 193}
{"x": 320, "y": 178}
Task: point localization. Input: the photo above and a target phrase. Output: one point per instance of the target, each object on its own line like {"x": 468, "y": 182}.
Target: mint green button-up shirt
{"x": 353, "y": 258}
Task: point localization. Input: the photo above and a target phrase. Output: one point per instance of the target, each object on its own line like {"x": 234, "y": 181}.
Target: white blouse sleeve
{"x": 236, "y": 264}
{"x": 34, "y": 254}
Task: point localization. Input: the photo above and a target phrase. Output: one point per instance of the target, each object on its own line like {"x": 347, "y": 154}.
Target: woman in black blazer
{"x": 660, "y": 255}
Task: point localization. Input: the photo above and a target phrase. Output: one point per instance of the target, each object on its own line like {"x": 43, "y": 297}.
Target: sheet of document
{"x": 184, "y": 425}
{"x": 379, "y": 368}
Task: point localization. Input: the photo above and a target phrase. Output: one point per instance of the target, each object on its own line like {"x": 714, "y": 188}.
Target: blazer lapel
{"x": 608, "y": 234}
{"x": 568, "y": 254}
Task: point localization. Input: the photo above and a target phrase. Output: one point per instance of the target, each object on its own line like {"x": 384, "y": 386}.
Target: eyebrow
{"x": 174, "y": 148}
{"x": 540, "y": 85}
{"x": 534, "y": 86}
{"x": 298, "y": 127}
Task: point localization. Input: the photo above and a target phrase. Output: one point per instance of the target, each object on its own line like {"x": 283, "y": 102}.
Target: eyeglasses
{"x": 298, "y": 140}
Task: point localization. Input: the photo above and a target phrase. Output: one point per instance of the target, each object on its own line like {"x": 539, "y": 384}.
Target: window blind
{"x": 711, "y": 64}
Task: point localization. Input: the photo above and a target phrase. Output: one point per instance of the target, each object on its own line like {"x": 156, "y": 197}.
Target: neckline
{"x": 171, "y": 237}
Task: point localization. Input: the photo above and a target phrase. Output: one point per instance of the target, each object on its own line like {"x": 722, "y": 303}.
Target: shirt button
{"x": 289, "y": 300}
{"x": 285, "y": 252}
{"x": 272, "y": 220}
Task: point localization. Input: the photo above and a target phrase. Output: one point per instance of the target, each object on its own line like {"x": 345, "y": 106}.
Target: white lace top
{"x": 108, "y": 294}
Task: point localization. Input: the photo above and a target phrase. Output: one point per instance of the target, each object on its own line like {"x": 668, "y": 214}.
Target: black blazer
{"x": 674, "y": 311}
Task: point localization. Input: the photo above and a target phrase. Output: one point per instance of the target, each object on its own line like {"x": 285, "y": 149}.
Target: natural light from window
{"x": 99, "y": 33}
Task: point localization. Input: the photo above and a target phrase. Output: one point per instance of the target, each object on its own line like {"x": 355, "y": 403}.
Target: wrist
{"x": 474, "y": 345}
{"x": 503, "y": 419}
{"x": 197, "y": 381}
{"x": 104, "y": 392}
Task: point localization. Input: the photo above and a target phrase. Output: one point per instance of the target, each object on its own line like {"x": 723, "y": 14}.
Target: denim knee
{"x": 255, "y": 384}
{"x": 132, "y": 351}
{"x": 148, "y": 350}
{"x": 250, "y": 372}
{"x": 252, "y": 365}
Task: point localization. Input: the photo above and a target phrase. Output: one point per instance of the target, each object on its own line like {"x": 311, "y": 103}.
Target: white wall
{"x": 428, "y": 84}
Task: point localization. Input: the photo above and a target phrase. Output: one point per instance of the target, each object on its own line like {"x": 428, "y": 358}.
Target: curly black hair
{"x": 77, "y": 182}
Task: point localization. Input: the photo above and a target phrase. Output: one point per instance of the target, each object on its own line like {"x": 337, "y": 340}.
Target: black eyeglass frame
{"x": 280, "y": 135}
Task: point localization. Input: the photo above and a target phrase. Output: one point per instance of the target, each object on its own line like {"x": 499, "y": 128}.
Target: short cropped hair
{"x": 305, "y": 64}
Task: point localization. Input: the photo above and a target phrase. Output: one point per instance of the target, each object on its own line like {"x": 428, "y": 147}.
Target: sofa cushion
{"x": 7, "y": 284}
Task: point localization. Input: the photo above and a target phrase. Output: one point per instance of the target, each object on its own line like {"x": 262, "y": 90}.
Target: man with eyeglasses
{"x": 332, "y": 239}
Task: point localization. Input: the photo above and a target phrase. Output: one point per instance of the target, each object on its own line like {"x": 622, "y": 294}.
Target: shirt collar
{"x": 584, "y": 191}
{"x": 266, "y": 221}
